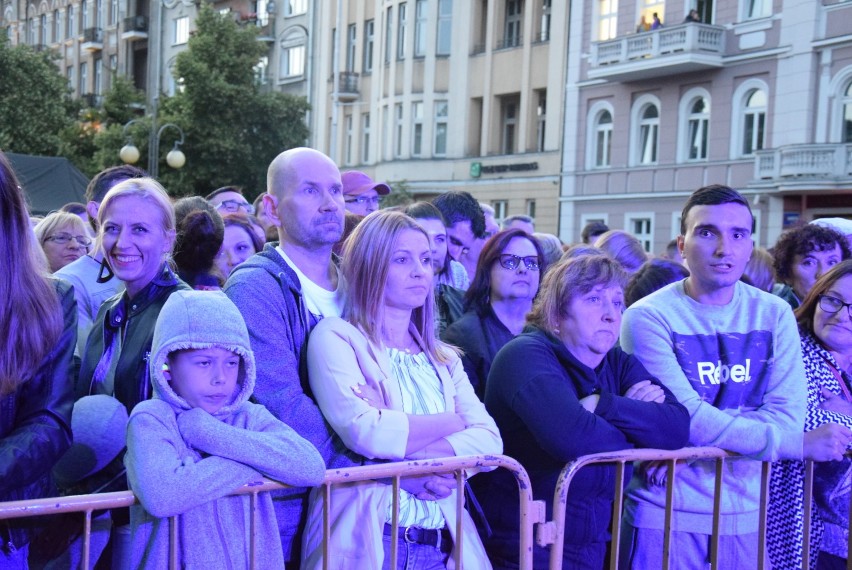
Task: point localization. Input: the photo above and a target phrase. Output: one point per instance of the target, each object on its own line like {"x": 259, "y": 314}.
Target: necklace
{"x": 408, "y": 345}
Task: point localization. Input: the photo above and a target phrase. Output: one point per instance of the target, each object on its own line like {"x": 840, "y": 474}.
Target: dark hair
{"x": 758, "y": 271}
{"x": 425, "y": 211}
{"x": 516, "y": 218}
{"x": 713, "y": 195}
{"x": 479, "y": 293}
{"x": 222, "y": 190}
{"x": 653, "y": 275}
{"x": 245, "y": 222}
{"x": 106, "y": 179}
{"x": 75, "y": 208}
{"x": 461, "y": 207}
{"x": 593, "y": 229}
{"x": 802, "y": 240}
{"x": 350, "y": 222}
{"x": 200, "y": 231}
{"x": 806, "y": 311}
{"x": 671, "y": 248}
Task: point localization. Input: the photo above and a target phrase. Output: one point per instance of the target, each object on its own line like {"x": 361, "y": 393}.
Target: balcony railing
{"x": 347, "y": 85}
{"x": 665, "y": 51}
{"x": 134, "y": 28}
{"x": 827, "y": 162}
{"x": 511, "y": 41}
{"x": 93, "y": 39}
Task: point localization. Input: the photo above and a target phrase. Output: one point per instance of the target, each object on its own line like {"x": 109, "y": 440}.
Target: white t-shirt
{"x": 319, "y": 301}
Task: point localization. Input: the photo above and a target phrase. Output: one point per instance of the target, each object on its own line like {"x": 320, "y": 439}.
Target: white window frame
{"x": 84, "y": 78}
{"x": 605, "y": 16}
{"x": 98, "y": 76}
{"x": 421, "y": 19}
{"x": 181, "y": 30}
{"x": 398, "y": 116}
{"x": 369, "y": 45}
{"x": 755, "y": 9}
{"x": 293, "y": 55}
{"x": 417, "y": 128}
{"x": 69, "y": 21}
{"x": 350, "y": 141}
{"x": 841, "y": 88}
{"x": 541, "y": 119}
{"x": 351, "y": 46}
{"x": 545, "y": 20}
{"x": 645, "y": 238}
{"x": 529, "y": 208}
{"x": 401, "y": 29}
{"x": 113, "y": 12}
{"x": 675, "y": 233}
{"x": 738, "y": 115}
{"x": 684, "y": 124}
{"x": 509, "y": 126}
{"x": 513, "y": 23}
{"x": 444, "y": 35}
{"x": 388, "y": 34}
{"x": 365, "y": 138}
{"x": 637, "y": 149}
{"x": 441, "y": 133}
{"x": 295, "y": 7}
{"x": 501, "y": 208}
{"x": 594, "y": 129}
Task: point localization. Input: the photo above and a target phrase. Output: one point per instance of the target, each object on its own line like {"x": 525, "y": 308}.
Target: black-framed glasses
{"x": 364, "y": 200}
{"x": 63, "y": 239}
{"x": 512, "y": 262}
{"x": 831, "y": 304}
{"x": 234, "y": 206}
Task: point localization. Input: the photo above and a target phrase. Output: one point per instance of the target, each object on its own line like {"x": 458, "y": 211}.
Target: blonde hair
{"x": 366, "y": 257}
{"x": 45, "y": 228}
{"x": 624, "y": 248}
{"x": 570, "y": 278}
{"x": 759, "y": 271}
{"x": 31, "y": 317}
{"x": 146, "y": 188}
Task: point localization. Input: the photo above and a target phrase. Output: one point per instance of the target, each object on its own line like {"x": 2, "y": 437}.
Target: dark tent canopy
{"x": 49, "y": 182}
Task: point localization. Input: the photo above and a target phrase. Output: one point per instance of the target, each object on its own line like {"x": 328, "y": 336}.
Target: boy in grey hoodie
{"x": 199, "y": 439}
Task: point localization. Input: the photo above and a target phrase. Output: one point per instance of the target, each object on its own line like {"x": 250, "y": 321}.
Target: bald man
{"x": 282, "y": 292}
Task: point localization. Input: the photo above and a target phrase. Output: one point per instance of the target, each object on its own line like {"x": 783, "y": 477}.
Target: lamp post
{"x": 129, "y": 154}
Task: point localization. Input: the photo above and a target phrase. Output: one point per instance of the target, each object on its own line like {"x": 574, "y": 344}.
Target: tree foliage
{"x": 233, "y": 128}
{"x": 34, "y": 101}
{"x": 400, "y": 195}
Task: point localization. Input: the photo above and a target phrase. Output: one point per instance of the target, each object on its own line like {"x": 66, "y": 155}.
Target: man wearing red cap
{"x": 362, "y": 193}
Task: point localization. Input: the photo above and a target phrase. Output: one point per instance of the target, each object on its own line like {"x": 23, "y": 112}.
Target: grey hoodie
{"x": 183, "y": 461}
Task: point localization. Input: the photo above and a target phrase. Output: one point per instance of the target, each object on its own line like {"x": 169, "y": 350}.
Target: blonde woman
{"x": 393, "y": 391}
{"x": 63, "y": 238}
{"x": 39, "y": 322}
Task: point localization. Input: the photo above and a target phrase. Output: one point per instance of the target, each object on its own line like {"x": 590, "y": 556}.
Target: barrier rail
{"x": 531, "y": 512}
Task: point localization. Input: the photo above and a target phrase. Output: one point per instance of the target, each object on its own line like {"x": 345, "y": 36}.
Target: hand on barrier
{"x": 656, "y": 472}
{"x": 835, "y": 403}
{"x": 828, "y": 442}
{"x": 429, "y": 487}
{"x": 646, "y": 391}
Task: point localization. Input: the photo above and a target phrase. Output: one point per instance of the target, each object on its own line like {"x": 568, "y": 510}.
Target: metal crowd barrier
{"x": 531, "y": 512}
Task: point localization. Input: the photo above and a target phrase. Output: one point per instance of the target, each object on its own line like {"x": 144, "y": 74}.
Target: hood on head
{"x": 200, "y": 319}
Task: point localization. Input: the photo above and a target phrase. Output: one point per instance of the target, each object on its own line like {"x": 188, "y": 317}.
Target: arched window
{"x": 847, "y": 114}
{"x": 696, "y": 129}
{"x": 291, "y": 63}
{"x": 649, "y": 130}
{"x": 603, "y": 140}
{"x": 754, "y": 122}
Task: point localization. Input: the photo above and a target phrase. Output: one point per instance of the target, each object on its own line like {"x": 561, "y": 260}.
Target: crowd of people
{"x": 184, "y": 349}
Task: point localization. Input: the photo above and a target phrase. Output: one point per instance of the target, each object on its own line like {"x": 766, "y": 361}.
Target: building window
{"x": 500, "y": 208}
{"x": 349, "y": 142}
{"x": 445, "y": 27}
{"x": 365, "y": 137}
{"x": 113, "y": 12}
{"x": 69, "y": 21}
{"x": 99, "y": 14}
{"x": 607, "y": 16}
{"x": 441, "y": 115}
{"x": 350, "y": 47}
{"x": 84, "y": 78}
{"x": 753, "y": 9}
{"x": 647, "y": 9}
{"x": 45, "y": 31}
{"x": 417, "y": 129}
{"x": 420, "y": 28}
{"x": 57, "y": 26}
{"x": 261, "y": 71}
{"x": 649, "y": 129}
{"x": 754, "y": 122}
{"x": 99, "y": 73}
{"x": 69, "y": 74}
{"x": 509, "y": 125}
{"x": 291, "y": 63}
{"x": 512, "y": 26}
{"x": 530, "y": 209}
{"x": 541, "y": 120}
{"x": 181, "y": 30}
{"x": 295, "y": 7}
{"x": 401, "y": 26}
{"x": 641, "y": 226}
{"x": 113, "y": 63}
{"x": 696, "y": 129}
{"x": 369, "y": 41}
{"x": 847, "y": 114}
{"x": 386, "y": 131}
{"x": 397, "y": 113}
{"x": 544, "y": 30}
{"x": 31, "y": 31}
{"x": 84, "y": 15}
{"x": 603, "y": 140}
{"x": 388, "y": 32}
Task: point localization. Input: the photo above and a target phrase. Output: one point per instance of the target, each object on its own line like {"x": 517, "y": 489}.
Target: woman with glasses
{"x": 392, "y": 391}
{"x": 563, "y": 389}
{"x": 63, "y": 238}
{"x": 825, "y": 327}
{"x": 497, "y": 302}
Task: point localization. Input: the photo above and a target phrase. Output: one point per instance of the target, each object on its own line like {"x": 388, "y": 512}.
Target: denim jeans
{"x": 412, "y": 556}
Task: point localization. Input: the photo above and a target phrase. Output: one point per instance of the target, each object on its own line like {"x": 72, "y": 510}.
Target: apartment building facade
{"x": 757, "y": 95}
{"x": 447, "y": 95}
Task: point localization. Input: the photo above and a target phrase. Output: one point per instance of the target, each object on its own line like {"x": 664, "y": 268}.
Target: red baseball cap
{"x": 356, "y": 183}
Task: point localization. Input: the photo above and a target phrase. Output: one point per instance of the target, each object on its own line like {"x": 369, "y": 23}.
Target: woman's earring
{"x": 109, "y": 274}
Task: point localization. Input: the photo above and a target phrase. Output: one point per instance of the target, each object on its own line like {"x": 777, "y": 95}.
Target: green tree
{"x": 233, "y": 128}
{"x": 400, "y": 195}
{"x": 34, "y": 101}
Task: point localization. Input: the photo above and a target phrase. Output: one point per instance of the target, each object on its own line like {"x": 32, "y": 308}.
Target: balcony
{"x": 134, "y": 28}
{"x": 664, "y": 52}
{"x": 92, "y": 100}
{"x": 93, "y": 39}
{"x": 827, "y": 163}
{"x": 510, "y": 41}
{"x": 347, "y": 86}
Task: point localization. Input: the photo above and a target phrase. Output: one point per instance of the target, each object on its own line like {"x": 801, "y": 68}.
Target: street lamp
{"x": 129, "y": 154}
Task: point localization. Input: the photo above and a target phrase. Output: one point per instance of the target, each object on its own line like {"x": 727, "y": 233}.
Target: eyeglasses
{"x": 831, "y": 304}
{"x": 512, "y": 262}
{"x": 234, "y": 206}
{"x": 364, "y": 200}
{"x": 62, "y": 239}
